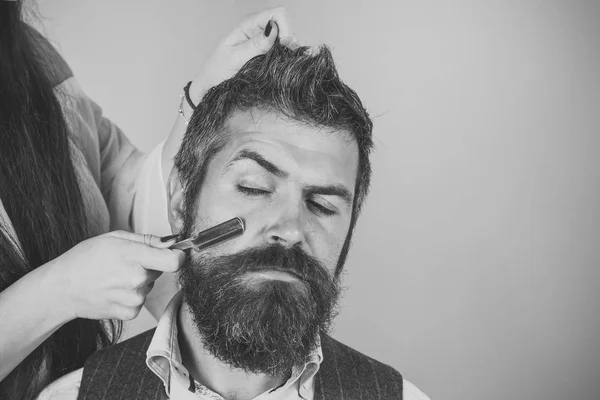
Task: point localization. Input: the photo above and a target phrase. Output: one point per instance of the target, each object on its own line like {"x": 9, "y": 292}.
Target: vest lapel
{"x": 328, "y": 383}
{"x": 120, "y": 372}
{"x": 348, "y": 375}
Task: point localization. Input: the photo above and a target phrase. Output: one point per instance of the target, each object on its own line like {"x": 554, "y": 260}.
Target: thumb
{"x": 261, "y": 43}
{"x": 147, "y": 239}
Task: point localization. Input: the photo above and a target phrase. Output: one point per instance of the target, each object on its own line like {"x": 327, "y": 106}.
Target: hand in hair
{"x": 109, "y": 276}
{"x": 252, "y": 37}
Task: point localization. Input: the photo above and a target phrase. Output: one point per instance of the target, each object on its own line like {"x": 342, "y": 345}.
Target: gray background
{"x": 475, "y": 268}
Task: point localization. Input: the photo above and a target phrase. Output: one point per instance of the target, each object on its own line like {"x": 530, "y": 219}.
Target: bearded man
{"x": 285, "y": 146}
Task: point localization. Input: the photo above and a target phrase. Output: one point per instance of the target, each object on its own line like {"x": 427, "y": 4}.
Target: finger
{"x": 147, "y": 239}
{"x": 145, "y": 289}
{"x": 292, "y": 43}
{"x": 287, "y": 37}
{"x": 259, "y": 44}
{"x": 151, "y": 258}
{"x": 140, "y": 277}
{"x": 127, "y": 313}
{"x": 151, "y": 276}
{"x": 257, "y": 22}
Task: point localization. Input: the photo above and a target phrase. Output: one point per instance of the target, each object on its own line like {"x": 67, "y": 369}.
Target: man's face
{"x": 260, "y": 301}
{"x": 292, "y": 184}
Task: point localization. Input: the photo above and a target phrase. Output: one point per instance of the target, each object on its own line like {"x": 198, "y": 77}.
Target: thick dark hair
{"x": 40, "y": 193}
{"x": 300, "y": 84}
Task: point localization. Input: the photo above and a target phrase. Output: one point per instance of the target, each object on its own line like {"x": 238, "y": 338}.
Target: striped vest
{"x": 120, "y": 372}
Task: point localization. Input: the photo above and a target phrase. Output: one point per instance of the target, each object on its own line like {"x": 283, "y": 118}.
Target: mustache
{"x": 292, "y": 260}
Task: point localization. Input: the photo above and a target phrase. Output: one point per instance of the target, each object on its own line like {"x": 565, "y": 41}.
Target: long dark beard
{"x": 266, "y": 326}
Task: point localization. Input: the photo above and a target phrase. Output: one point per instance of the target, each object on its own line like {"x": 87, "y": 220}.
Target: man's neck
{"x": 231, "y": 383}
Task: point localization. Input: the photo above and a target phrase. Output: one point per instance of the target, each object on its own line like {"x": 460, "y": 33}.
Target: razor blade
{"x": 212, "y": 236}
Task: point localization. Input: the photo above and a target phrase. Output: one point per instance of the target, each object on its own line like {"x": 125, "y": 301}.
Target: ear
{"x": 175, "y": 201}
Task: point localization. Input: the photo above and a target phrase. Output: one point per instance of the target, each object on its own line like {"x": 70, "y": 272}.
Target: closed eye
{"x": 250, "y": 191}
{"x": 320, "y": 209}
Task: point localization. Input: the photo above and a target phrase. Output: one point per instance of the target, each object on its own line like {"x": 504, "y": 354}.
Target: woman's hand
{"x": 246, "y": 41}
{"x": 109, "y": 276}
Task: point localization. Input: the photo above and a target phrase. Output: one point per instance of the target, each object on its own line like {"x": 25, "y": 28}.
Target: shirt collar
{"x": 164, "y": 356}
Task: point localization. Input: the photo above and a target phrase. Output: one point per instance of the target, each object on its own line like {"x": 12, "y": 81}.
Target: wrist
{"x": 58, "y": 291}
{"x": 197, "y": 90}
{"x": 190, "y": 98}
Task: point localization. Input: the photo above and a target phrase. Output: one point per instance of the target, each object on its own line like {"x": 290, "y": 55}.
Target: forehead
{"x": 333, "y": 153}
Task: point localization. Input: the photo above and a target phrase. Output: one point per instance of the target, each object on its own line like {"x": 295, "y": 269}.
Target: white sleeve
{"x": 411, "y": 392}
{"x": 150, "y": 203}
{"x": 150, "y": 216}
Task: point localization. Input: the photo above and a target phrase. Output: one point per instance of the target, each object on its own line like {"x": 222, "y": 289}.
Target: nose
{"x": 287, "y": 229}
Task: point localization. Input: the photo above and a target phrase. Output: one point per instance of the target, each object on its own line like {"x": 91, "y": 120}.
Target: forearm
{"x": 173, "y": 142}
{"x": 30, "y": 311}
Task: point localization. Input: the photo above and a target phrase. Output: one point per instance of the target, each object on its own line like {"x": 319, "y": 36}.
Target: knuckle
{"x": 139, "y": 278}
{"x": 170, "y": 266}
{"x": 120, "y": 312}
{"x": 173, "y": 265}
{"x": 139, "y": 299}
{"x": 130, "y": 313}
{"x": 112, "y": 312}
{"x": 133, "y": 283}
{"x": 178, "y": 260}
{"x": 134, "y": 300}
{"x": 281, "y": 14}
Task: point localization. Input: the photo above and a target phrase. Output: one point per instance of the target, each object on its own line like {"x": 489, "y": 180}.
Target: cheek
{"x": 215, "y": 205}
{"x": 326, "y": 240}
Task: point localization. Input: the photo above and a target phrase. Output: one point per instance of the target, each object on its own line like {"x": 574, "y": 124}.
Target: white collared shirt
{"x": 164, "y": 359}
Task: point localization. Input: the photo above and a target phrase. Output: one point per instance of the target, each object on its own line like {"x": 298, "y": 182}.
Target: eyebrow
{"x": 327, "y": 190}
{"x": 260, "y": 160}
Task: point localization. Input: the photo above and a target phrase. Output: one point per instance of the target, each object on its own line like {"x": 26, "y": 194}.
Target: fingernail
{"x": 165, "y": 239}
{"x": 268, "y": 29}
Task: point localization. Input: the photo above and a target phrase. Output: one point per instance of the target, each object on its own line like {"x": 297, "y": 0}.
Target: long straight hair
{"x": 42, "y": 198}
